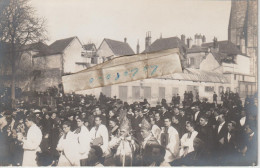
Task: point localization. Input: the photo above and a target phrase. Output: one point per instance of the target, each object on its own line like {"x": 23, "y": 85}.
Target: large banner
{"x": 124, "y": 69}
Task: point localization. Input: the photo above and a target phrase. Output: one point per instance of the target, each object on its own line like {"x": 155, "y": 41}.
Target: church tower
{"x": 242, "y": 29}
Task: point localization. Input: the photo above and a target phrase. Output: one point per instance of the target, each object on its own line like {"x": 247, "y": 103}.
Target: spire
{"x": 147, "y": 40}
{"x": 137, "y": 47}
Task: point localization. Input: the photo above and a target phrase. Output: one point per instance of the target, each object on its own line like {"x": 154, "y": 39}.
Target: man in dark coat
{"x": 220, "y": 132}
{"x": 205, "y": 134}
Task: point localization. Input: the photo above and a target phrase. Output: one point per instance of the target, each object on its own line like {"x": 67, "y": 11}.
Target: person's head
{"x": 83, "y": 115}
{"x": 231, "y": 126}
{"x": 157, "y": 117}
{"x": 136, "y": 112}
{"x": 182, "y": 112}
{"x": 175, "y": 119}
{"x": 146, "y": 128}
{"x": 140, "y": 113}
{"x": 70, "y": 117}
{"x": 158, "y": 153}
{"x": 112, "y": 123}
{"x": 145, "y": 133}
{"x": 54, "y": 115}
{"x": 21, "y": 121}
{"x": 80, "y": 121}
{"x": 97, "y": 111}
{"x": 98, "y": 120}
{"x": 47, "y": 116}
{"x": 30, "y": 120}
{"x": 167, "y": 122}
{"x": 152, "y": 120}
{"x": 221, "y": 118}
{"x": 190, "y": 126}
{"x": 124, "y": 132}
{"x": 203, "y": 120}
{"x": 95, "y": 154}
{"x": 66, "y": 126}
{"x": 243, "y": 113}
{"x": 163, "y": 109}
{"x": 129, "y": 110}
{"x": 67, "y": 108}
{"x": 195, "y": 108}
{"x": 86, "y": 123}
{"x": 176, "y": 111}
{"x": 111, "y": 113}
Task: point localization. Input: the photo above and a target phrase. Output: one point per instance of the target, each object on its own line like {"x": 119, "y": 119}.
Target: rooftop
{"x": 196, "y": 75}
{"x": 165, "y": 44}
{"x": 119, "y": 48}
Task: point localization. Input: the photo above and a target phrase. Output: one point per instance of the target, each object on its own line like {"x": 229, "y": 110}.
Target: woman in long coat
{"x": 68, "y": 147}
{"x": 31, "y": 144}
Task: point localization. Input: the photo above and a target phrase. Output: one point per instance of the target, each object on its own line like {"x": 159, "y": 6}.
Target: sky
{"x": 94, "y": 20}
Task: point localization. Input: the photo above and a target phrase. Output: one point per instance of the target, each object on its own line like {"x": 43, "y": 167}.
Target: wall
{"x": 71, "y": 55}
{"x": 209, "y": 63}
{"x": 169, "y": 86}
{"x": 47, "y": 62}
{"x": 104, "y": 50}
{"x": 47, "y": 78}
{"x": 243, "y": 64}
{"x": 198, "y": 57}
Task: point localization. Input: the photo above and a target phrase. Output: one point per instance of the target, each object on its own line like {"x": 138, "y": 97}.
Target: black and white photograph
{"x": 128, "y": 83}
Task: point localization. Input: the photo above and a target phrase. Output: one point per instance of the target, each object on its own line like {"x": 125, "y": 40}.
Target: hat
{"x": 36, "y": 111}
{"x": 146, "y": 125}
{"x": 125, "y": 124}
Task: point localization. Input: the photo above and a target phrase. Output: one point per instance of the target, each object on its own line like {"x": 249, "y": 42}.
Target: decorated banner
{"x": 124, "y": 69}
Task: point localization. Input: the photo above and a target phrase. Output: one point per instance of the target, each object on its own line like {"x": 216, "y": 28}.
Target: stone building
{"x": 243, "y": 28}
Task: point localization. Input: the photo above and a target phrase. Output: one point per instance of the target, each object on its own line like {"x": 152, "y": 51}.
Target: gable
{"x": 209, "y": 63}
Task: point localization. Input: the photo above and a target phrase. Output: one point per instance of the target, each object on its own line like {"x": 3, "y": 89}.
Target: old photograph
{"x": 128, "y": 83}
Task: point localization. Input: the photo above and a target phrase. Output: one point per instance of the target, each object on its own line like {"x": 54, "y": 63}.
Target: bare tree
{"x": 19, "y": 26}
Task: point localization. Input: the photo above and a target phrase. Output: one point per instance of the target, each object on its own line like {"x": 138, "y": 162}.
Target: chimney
{"x": 125, "y": 40}
{"x": 137, "y": 48}
{"x": 215, "y": 42}
{"x": 148, "y": 40}
{"x": 183, "y": 39}
{"x": 215, "y": 47}
{"x": 203, "y": 39}
{"x": 189, "y": 42}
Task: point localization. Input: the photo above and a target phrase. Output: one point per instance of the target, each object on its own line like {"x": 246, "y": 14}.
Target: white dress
{"x": 101, "y": 132}
{"x": 83, "y": 139}
{"x": 31, "y": 146}
{"x": 70, "y": 151}
{"x": 172, "y": 149}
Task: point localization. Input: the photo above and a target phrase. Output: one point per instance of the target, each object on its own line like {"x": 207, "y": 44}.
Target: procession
{"x": 128, "y": 83}
{"x": 89, "y": 131}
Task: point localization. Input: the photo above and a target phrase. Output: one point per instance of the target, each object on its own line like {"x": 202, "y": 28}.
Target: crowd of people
{"x": 82, "y": 130}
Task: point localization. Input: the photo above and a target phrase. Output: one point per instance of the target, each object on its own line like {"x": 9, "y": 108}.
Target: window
{"x": 192, "y": 61}
{"x": 123, "y": 93}
{"x": 161, "y": 92}
{"x": 147, "y": 92}
{"x": 235, "y": 77}
{"x": 209, "y": 88}
{"x": 136, "y": 92}
{"x": 92, "y": 60}
{"x": 243, "y": 78}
